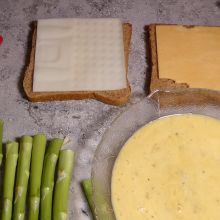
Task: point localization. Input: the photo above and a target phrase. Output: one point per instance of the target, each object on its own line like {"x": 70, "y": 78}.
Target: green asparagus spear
{"x": 1, "y": 134}
{"x": 9, "y": 179}
{"x": 37, "y": 159}
{"x": 22, "y": 177}
{"x": 87, "y": 188}
{"x": 65, "y": 170}
{"x": 47, "y": 185}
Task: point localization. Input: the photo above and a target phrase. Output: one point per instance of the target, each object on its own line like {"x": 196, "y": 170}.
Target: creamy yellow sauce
{"x": 169, "y": 170}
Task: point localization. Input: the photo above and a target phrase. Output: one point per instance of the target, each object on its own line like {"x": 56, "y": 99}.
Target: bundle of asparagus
{"x": 32, "y": 161}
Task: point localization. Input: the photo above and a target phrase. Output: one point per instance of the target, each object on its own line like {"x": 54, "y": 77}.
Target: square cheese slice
{"x": 79, "y": 55}
{"x": 189, "y": 55}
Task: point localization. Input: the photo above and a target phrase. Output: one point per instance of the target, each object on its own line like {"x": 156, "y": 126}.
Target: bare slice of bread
{"x": 157, "y": 83}
{"x": 113, "y": 97}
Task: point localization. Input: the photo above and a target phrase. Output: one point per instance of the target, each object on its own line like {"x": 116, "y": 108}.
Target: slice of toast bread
{"x": 113, "y": 97}
{"x": 157, "y": 83}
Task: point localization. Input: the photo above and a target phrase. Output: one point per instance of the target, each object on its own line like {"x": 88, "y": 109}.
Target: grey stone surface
{"x": 83, "y": 121}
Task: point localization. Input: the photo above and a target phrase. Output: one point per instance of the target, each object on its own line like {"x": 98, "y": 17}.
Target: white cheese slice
{"x": 189, "y": 55}
{"x": 79, "y": 55}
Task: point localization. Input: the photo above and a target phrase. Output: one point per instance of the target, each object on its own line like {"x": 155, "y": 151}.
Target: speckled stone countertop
{"x": 83, "y": 121}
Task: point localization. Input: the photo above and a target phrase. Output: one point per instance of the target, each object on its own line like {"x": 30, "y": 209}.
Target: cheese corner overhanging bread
{"x": 184, "y": 56}
{"x": 79, "y": 59}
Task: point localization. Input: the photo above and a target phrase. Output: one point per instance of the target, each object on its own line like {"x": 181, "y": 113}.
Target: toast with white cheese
{"x": 113, "y": 97}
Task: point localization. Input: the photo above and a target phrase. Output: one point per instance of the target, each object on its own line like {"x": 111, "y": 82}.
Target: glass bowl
{"x": 157, "y": 104}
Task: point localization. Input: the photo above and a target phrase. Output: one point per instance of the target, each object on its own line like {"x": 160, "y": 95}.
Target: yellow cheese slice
{"x": 169, "y": 170}
{"x": 189, "y": 55}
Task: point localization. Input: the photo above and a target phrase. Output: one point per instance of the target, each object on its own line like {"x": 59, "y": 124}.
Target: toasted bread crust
{"x": 114, "y": 97}
{"x": 157, "y": 83}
